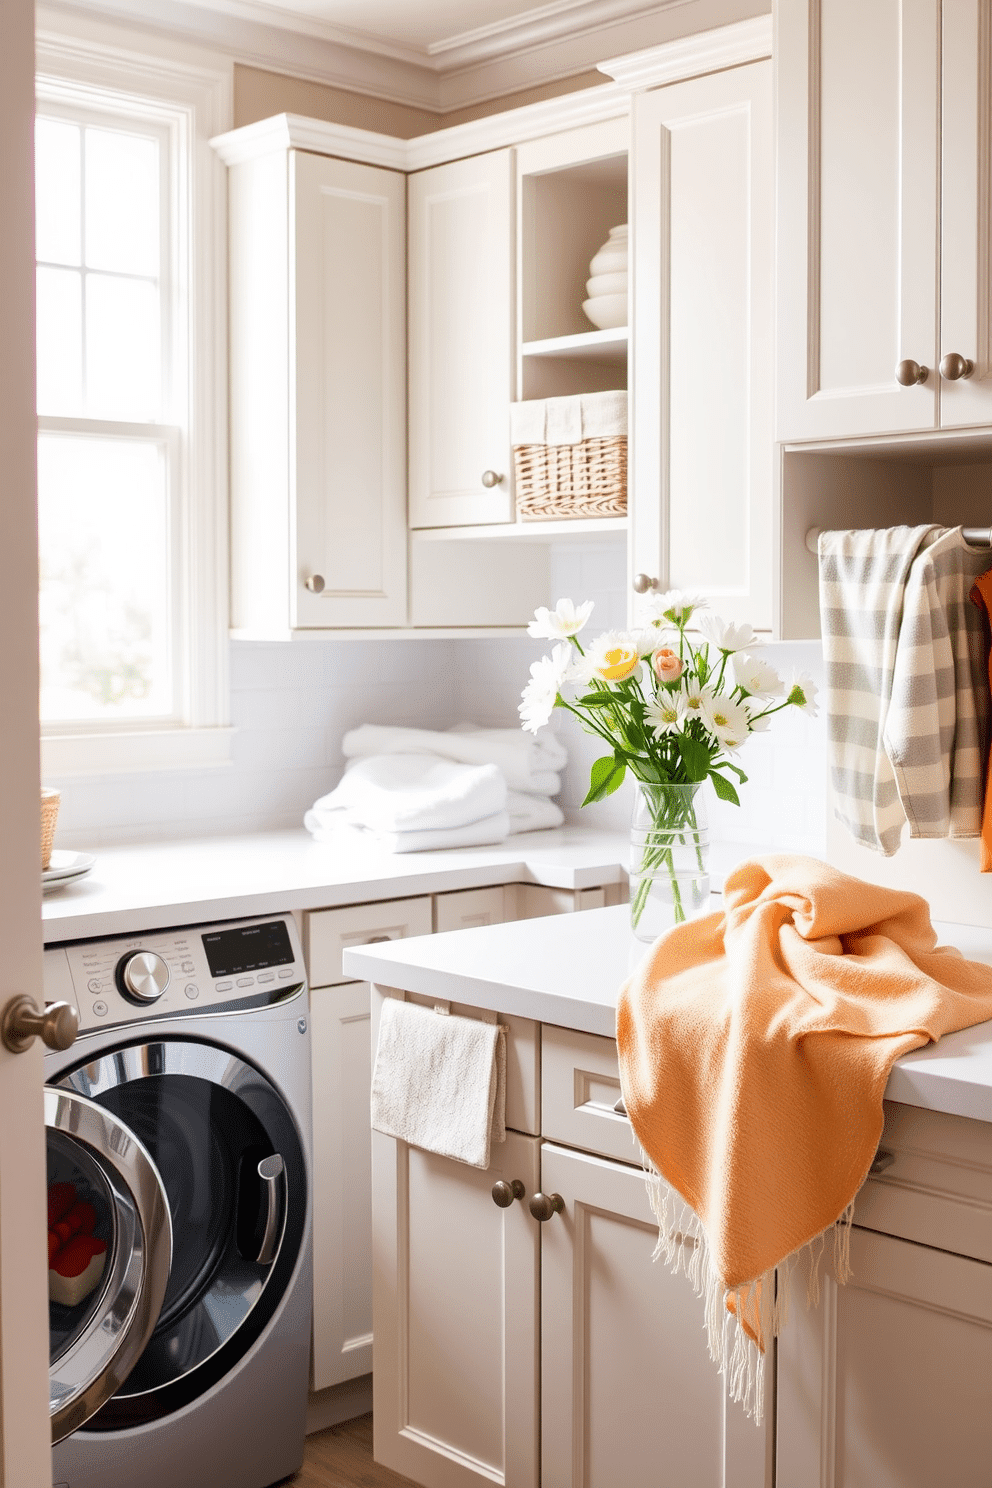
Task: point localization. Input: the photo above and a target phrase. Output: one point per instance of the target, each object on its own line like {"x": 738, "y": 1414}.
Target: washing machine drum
{"x": 177, "y": 1210}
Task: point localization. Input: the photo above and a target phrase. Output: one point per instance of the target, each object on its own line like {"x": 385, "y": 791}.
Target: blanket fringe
{"x": 763, "y": 1302}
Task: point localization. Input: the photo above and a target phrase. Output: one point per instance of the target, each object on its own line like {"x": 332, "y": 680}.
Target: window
{"x": 131, "y": 479}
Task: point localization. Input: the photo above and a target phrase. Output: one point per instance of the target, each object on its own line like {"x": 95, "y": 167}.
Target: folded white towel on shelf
{"x": 528, "y": 764}
{"x": 532, "y": 813}
{"x": 412, "y": 793}
{"x": 484, "y": 833}
{"x": 439, "y": 1082}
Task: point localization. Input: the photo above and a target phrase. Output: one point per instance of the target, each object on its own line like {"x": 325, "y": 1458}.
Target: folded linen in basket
{"x": 439, "y": 1082}
{"x": 527, "y": 764}
{"x": 569, "y": 420}
{"x": 412, "y": 793}
{"x": 484, "y": 833}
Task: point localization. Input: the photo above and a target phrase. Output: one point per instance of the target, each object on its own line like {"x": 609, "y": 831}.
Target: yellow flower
{"x": 619, "y": 661}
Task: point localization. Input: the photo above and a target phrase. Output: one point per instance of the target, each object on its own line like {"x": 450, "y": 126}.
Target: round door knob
{"x": 22, "y": 1023}
{"x": 315, "y": 583}
{"x": 143, "y": 976}
{"x": 909, "y": 373}
{"x": 491, "y": 478}
{"x": 644, "y": 583}
{"x": 955, "y": 367}
{"x": 505, "y": 1193}
{"x": 543, "y": 1206}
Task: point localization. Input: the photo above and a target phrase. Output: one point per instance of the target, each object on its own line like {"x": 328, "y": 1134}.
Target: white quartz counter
{"x": 568, "y": 969}
{"x": 148, "y": 887}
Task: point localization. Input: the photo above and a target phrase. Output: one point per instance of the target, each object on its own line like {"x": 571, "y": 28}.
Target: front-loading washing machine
{"x": 180, "y": 1271}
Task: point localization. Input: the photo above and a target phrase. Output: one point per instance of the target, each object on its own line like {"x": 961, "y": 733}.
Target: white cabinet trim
{"x": 708, "y": 51}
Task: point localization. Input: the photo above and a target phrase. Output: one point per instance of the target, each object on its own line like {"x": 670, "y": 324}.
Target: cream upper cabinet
{"x": 318, "y": 394}
{"x": 883, "y": 216}
{"x": 461, "y": 236}
{"x": 701, "y": 508}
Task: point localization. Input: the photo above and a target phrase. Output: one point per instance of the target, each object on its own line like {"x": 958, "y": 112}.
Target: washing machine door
{"x": 233, "y": 1164}
{"x": 109, "y": 1255}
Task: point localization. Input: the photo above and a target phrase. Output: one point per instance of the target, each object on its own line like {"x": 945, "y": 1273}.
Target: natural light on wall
{"x": 105, "y": 452}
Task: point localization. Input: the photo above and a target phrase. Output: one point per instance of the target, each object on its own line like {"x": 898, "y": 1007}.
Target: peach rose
{"x": 666, "y": 664}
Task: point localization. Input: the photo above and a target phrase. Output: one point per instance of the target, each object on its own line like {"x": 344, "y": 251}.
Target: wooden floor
{"x": 341, "y": 1457}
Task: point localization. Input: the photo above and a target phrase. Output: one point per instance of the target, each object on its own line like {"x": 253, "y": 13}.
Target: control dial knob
{"x": 142, "y": 976}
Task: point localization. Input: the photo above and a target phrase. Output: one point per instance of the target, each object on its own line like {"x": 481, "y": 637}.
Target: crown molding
{"x": 555, "y": 22}
{"x": 707, "y": 51}
{"x": 292, "y": 132}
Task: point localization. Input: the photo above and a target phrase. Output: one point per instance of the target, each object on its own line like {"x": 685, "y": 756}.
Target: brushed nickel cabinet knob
{"x": 644, "y": 583}
{"x": 955, "y": 367}
{"x": 505, "y": 1193}
{"x": 491, "y": 478}
{"x": 22, "y": 1023}
{"x": 909, "y": 373}
{"x": 315, "y": 583}
{"x": 543, "y": 1206}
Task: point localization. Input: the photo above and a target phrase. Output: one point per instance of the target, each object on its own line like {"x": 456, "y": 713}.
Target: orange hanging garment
{"x": 981, "y": 595}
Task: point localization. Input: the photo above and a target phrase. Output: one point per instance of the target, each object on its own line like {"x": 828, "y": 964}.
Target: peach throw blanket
{"x": 755, "y": 1045}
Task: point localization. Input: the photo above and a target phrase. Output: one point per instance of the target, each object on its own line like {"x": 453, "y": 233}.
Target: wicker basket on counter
{"x": 561, "y": 478}
{"x": 49, "y": 816}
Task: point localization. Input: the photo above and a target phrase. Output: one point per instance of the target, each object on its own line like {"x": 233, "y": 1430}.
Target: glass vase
{"x": 669, "y": 857}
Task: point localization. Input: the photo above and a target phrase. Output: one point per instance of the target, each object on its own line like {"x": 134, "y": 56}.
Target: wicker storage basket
{"x": 49, "y": 816}
{"x": 570, "y": 457}
{"x": 561, "y": 481}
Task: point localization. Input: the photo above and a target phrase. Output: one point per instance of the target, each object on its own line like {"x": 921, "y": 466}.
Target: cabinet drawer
{"x": 468, "y": 908}
{"x": 937, "y": 1189}
{"x": 328, "y": 931}
{"x": 580, "y": 1085}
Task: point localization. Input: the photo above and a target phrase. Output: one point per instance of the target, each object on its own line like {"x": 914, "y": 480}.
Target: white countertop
{"x": 568, "y": 969}
{"x": 150, "y": 887}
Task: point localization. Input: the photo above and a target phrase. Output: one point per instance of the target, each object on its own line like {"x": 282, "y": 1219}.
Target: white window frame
{"x": 191, "y": 96}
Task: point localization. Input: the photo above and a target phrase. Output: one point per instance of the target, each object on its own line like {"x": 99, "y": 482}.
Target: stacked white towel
{"x": 414, "y": 790}
{"x": 906, "y": 688}
{"x": 439, "y": 1081}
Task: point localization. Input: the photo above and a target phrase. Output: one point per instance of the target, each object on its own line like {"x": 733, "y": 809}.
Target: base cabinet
{"x": 888, "y": 1383}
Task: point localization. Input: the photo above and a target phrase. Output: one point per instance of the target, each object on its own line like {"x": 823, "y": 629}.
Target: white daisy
{"x": 756, "y": 676}
{"x": 664, "y": 713}
{"x": 802, "y": 693}
{"x": 675, "y": 606}
{"x": 547, "y": 677}
{"x": 565, "y": 620}
{"x": 693, "y": 698}
{"x": 725, "y": 635}
{"x": 727, "y": 721}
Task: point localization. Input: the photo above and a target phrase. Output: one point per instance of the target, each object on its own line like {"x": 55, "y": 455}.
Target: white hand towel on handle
{"x": 439, "y": 1082}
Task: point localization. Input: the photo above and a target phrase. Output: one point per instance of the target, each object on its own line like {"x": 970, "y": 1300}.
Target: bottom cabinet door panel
{"x": 888, "y": 1382}
{"x": 456, "y": 1316}
{"x": 629, "y": 1396}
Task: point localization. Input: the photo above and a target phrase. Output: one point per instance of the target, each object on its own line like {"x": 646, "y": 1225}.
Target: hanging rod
{"x": 979, "y": 537}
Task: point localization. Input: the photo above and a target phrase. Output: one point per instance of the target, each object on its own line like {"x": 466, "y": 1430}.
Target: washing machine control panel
{"x": 172, "y": 973}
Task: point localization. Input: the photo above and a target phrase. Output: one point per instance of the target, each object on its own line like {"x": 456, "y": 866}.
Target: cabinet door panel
{"x": 342, "y": 1265}
{"x": 857, "y": 215}
{"x": 702, "y": 348}
{"x": 461, "y": 322}
{"x": 349, "y": 385}
{"x": 888, "y": 1383}
{"x": 966, "y": 208}
{"x": 456, "y": 1316}
{"x": 628, "y": 1392}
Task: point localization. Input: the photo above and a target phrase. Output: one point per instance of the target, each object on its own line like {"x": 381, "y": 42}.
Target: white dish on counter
{"x": 64, "y": 868}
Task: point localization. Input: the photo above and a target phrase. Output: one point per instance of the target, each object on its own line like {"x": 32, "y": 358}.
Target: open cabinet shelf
{"x": 608, "y": 346}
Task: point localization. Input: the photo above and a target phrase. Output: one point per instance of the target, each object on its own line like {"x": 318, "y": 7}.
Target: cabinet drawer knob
{"x": 315, "y": 583}
{"x": 543, "y": 1206}
{"x": 491, "y": 478}
{"x": 909, "y": 373}
{"x": 505, "y": 1193}
{"x": 955, "y": 367}
{"x": 643, "y": 583}
{"x": 883, "y": 1159}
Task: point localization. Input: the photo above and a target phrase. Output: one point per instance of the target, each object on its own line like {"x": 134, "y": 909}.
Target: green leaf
{"x": 726, "y": 765}
{"x": 605, "y": 777}
{"x": 695, "y": 757}
{"x": 723, "y": 788}
{"x": 596, "y": 700}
